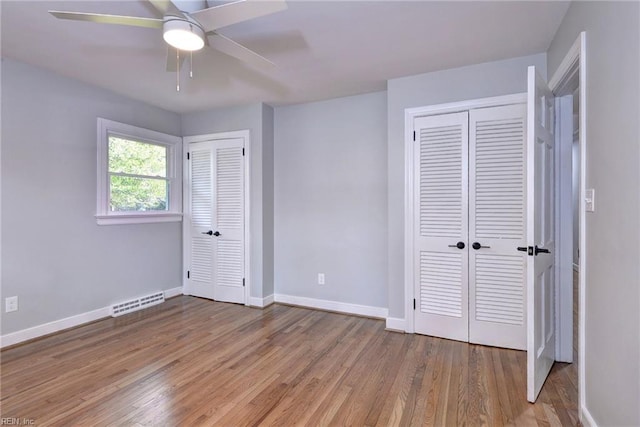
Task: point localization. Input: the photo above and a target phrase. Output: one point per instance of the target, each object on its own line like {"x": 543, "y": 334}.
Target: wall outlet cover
{"x": 11, "y": 304}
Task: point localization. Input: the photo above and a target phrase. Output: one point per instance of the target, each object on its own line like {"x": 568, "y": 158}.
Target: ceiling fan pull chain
{"x": 178, "y": 70}
{"x": 191, "y": 65}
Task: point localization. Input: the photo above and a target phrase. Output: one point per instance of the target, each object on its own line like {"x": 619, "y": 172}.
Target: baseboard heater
{"x": 137, "y": 304}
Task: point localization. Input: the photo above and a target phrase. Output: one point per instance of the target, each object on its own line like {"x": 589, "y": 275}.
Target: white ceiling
{"x": 323, "y": 49}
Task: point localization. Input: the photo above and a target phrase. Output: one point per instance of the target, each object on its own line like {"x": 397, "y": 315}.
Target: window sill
{"x": 145, "y": 218}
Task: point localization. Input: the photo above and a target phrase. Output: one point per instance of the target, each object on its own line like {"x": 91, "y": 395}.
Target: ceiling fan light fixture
{"x": 182, "y": 34}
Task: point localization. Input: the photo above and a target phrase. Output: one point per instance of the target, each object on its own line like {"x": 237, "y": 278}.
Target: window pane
{"x": 137, "y": 158}
{"x": 138, "y": 194}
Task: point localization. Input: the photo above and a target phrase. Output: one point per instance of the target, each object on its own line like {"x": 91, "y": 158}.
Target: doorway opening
{"x": 569, "y": 86}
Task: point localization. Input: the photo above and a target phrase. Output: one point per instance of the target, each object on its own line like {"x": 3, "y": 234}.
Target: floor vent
{"x": 136, "y": 304}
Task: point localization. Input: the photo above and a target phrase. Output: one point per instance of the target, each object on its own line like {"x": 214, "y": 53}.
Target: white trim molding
{"x": 138, "y": 219}
{"x": 395, "y": 324}
{"x": 586, "y": 419}
{"x": 66, "y": 323}
{"x": 410, "y": 114}
{"x": 340, "y": 307}
{"x": 261, "y": 302}
{"x": 55, "y": 326}
{"x": 173, "y": 292}
{"x": 571, "y": 72}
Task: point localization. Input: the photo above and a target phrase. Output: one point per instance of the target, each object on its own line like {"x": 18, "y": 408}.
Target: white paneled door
{"x": 441, "y": 255}
{"x": 469, "y": 200}
{"x": 497, "y": 217}
{"x": 215, "y": 221}
{"x": 540, "y": 234}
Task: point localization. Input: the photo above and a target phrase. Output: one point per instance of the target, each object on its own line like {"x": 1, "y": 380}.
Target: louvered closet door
{"x": 497, "y": 293}
{"x": 216, "y": 200}
{"x": 441, "y": 164}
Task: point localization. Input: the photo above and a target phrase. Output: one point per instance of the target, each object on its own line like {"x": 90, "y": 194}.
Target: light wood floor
{"x": 196, "y": 362}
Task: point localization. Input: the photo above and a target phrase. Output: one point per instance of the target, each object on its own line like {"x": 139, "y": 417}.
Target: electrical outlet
{"x": 320, "y": 278}
{"x": 11, "y": 304}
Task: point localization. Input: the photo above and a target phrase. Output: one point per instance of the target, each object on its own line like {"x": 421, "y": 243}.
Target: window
{"x": 139, "y": 174}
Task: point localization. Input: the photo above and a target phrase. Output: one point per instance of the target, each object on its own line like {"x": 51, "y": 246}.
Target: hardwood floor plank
{"x": 191, "y": 361}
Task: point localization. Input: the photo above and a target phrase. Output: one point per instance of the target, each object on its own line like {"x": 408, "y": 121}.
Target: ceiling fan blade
{"x": 172, "y": 59}
{"x": 109, "y": 19}
{"x": 166, "y": 7}
{"x": 237, "y": 11}
{"x": 231, "y": 48}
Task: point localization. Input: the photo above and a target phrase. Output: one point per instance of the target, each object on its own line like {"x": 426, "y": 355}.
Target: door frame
{"x": 410, "y": 114}
{"x": 572, "y": 70}
{"x": 186, "y": 208}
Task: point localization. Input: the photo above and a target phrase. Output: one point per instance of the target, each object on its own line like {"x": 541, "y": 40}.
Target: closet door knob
{"x": 210, "y": 233}
{"x": 538, "y": 250}
{"x": 477, "y": 246}
{"x": 459, "y": 245}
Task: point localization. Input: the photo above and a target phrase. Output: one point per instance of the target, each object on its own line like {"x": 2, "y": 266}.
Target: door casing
{"x": 572, "y": 73}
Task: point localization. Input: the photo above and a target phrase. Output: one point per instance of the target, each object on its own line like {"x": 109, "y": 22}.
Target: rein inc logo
{"x": 14, "y": 421}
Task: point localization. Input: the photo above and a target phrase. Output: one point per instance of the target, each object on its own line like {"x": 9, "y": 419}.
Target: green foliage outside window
{"x": 137, "y": 176}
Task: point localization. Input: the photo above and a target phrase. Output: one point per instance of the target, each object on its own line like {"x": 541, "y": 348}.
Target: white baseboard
{"x": 173, "y": 292}
{"x": 342, "y": 307}
{"x": 55, "y": 326}
{"x": 261, "y": 302}
{"x": 586, "y": 419}
{"x": 66, "y": 323}
{"x": 395, "y": 324}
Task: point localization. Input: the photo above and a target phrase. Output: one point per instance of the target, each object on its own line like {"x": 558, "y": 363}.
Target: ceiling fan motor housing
{"x": 183, "y": 33}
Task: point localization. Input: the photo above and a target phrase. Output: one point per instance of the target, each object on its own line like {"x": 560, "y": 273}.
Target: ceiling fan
{"x": 191, "y": 31}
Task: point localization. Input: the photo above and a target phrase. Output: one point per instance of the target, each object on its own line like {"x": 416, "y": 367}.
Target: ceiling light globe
{"x": 183, "y": 35}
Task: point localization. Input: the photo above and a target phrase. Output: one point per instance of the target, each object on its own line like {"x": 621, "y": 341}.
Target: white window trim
{"x": 174, "y": 174}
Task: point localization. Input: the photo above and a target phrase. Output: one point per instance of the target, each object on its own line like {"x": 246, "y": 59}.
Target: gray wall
{"x": 459, "y": 84}
{"x": 267, "y": 199}
{"x": 330, "y": 199}
{"x": 612, "y": 259}
{"x": 240, "y": 118}
{"x": 54, "y": 256}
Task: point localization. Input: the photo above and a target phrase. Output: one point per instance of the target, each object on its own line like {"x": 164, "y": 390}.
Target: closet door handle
{"x": 477, "y": 246}
{"x": 527, "y": 249}
{"x": 210, "y": 233}
{"x": 538, "y": 250}
{"x": 459, "y": 245}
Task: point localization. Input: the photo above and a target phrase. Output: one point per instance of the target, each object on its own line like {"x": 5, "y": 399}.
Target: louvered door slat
{"x": 442, "y": 182}
{"x": 201, "y": 259}
{"x": 440, "y": 288}
{"x": 201, "y": 188}
{"x": 229, "y": 195}
{"x": 230, "y": 265}
{"x": 500, "y": 288}
{"x": 503, "y": 180}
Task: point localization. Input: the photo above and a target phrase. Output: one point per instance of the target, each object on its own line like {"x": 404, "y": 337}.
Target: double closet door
{"x": 469, "y": 204}
{"x": 214, "y": 220}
